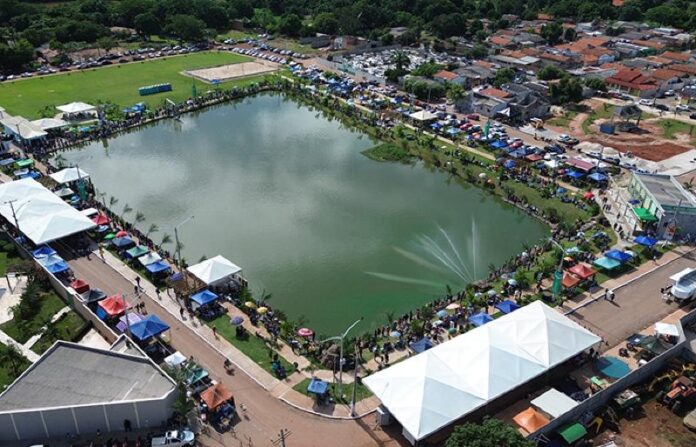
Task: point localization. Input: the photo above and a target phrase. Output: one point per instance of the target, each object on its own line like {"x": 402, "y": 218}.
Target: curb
{"x": 630, "y": 281}
{"x": 326, "y": 416}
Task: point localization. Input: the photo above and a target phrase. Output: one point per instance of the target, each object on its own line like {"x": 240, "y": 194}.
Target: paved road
{"x": 265, "y": 415}
{"x": 636, "y": 306}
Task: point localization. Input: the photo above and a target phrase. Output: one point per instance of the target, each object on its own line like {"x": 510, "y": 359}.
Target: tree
{"x": 152, "y": 229}
{"x": 455, "y": 92}
{"x": 401, "y": 60}
{"x": 596, "y": 84}
{"x": 166, "y": 239}
{"x": 326, "y": 23}
{"x": 552, "y": 32}
{"x": 106, "y": 43}
{"x": 290, "y": 25}
{"x": 16, "y": 57}
{"x": 551, "y": 72}
{"x": 147, "y": 24}
{"x": 569, "y": 34}
{"x": 503, "y": 76}
{"x": 490, "y": 433}
{"x": 565, "y": 91}
{"x": 448, "y": 25}
{"x": 112, "y": 201}
{"x": 426, "y": 69}
{"x": 186, "y": 28}
{"x": 240, "y": 9}
{"x": 10, "y": 355}
{"x": 139, "y": 217}
{"x": 126, "y": 209}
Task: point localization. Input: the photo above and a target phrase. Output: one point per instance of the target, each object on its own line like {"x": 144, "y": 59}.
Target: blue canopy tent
{"x": 318, "y": 387}
{"x": 645, "y": 241}
{"x": 497, "y": 144}
{"x": 607, "y": 263}
{"x": 619, "y": 255}
{"x": 518, "y": 153}
{"x": 49, "y": 260}
{"x": 157, "y": 267}
{"x": 204, "y": 297}
{"x": 43, "y": 251}
{"x": 509, "y": 164}
{"x": 122, "y": 242}
{"x": 597, "y": 177}
{"x": 421, "y": 345}
{"x": 58, "y": 267}
{"x": 480, "y": 319}
{"x": 150, "y": 326}
{"x": 507, "y": 306}
{"x": 575, "y": 174}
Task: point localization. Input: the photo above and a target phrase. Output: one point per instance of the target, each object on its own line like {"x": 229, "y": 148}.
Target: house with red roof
{"x": 444, "y": 77}
{"x": 632, "y": 80}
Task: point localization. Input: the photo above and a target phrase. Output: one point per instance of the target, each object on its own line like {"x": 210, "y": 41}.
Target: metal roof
{"x": 69, "y": 374}
{"x": 666, "y": 190}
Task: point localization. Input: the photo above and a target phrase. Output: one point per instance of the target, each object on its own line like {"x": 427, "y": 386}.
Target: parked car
{"x": 174, "y": 438}
{"x": 682, "y": 108}
{"x": 662, "y": 107}
{"x": 693, "y": 116}
{"x": 645, "y": 102}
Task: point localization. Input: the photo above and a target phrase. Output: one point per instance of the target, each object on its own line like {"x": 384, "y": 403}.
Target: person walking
{"x": 611, "y": 296}
{"x": 101, "y": 253}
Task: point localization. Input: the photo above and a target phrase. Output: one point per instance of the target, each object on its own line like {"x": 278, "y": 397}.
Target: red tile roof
{"x": 632, "y": 79}
{"x": 446, "y": 75}
{"x": 494, "y": 92}
{"x": 500, "y": 41}
{"x": 684, "y": 68}
{"x": 665, "y": 74}
{"x": 681, "y": 57}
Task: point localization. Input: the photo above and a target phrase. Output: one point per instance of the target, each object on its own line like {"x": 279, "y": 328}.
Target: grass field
{"x": 68, "y": 327}
{"x": 671, "y": 127}
{"x": 21, "y": 332}
{"x": 360, "y": 393}
{"x": 118, "y": 83}
{"x": 604, "y": 111}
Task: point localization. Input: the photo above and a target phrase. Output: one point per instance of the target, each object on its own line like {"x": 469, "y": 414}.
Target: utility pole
{"x": 282, "y": 436}
{"x": 355, "y": 380}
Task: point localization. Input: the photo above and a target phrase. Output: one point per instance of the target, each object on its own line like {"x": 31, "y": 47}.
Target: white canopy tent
{"x": 666, "y": 329}
{"x": 554, "y": 403}
{"x": 49, "y": 123}
{"x": 42, "y": 216}
{"x": 76, "y": 107}
{"x": 215, "y": 270}
{"x": 21, "y": 127}
{"x": 423, "y": 115}
{"x": 68, "y": 175}
{"x": 443, "y": 384}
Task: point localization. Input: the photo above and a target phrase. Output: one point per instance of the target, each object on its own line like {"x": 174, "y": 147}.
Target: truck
{"x": 684, "y": 285}
{"x": 174, "y": 438}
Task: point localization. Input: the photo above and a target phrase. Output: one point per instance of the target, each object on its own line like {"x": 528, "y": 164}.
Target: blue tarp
{"x": 58, "y": 267}
{"x": 597, "y": 177}
{"x": 509, "y": 164}
{"x": 561, "y": 191}
{"x": 317, "y": 386}
{"x": 645, "y": 241}
{"x": 422, "y": 345}
{"x": 204, "y": 297}
{"x": 480, "y": 319}
{"x": 122, "y": 242}
{"x": 607, "y": 263}
{"x": 507, "y": 306}
{"x": 156, "y": 267}
{"x": 149, "y": 327}
{"x": 48, "y": 260}
{"x": 498, "y": 144}
{"x": 575, "y": 174}
{"x": 42, "y": 251}
{"x": 619, "y": 255}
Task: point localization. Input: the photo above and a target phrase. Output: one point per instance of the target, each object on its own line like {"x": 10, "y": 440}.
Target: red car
{"x": 473, "y": 116}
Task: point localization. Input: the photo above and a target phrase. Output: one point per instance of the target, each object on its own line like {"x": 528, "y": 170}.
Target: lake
{"x": 286, "y": 194}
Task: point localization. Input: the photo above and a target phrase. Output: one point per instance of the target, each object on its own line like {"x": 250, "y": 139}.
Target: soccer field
{"x": 116, "y": 83}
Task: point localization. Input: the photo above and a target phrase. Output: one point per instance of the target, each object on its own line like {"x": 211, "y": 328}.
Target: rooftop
{"x": 69, "y": 374}
{"x": 666, "y": 190}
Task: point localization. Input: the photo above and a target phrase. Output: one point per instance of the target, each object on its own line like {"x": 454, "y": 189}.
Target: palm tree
{"x": 10, "y": 355}
{"x": 390, "y": 316}
{"x": 139, "y": 217}
{"x": 153, "y": 229}
{"x": 264, "y": 297}
{"x": 401, "y": 60}
{"x": 455, "y": 92}
{"x": 126, "y": 209}
{"x": 112, "y": 201}
{"x": 166, "y": 239}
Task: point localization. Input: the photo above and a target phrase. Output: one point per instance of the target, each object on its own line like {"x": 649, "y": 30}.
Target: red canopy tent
{"x": 113, "y": 305}
{"x": 530, "y": 420}
{"x": 582, "y": 271}
{"x": 80, "y": 286}
{"x": 569, "y": 280}
{"x": 100, "y": 219}
{"x": 216, "y": 395}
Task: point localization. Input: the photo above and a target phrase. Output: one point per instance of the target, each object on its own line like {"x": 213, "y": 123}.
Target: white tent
{"x": 21, "y": 127}
{"x": 49, "y": 123}
{"x": 214, "y": 270}
{"x": 68, "y": 175}
{"x": 423, "y": 115}
{"x": 42, "y": 216}
{"x": 554, "y": 403}
{"x": 76, "y": 107}
{"x": 435, "y": 388}
{"x": 666, "y": 329}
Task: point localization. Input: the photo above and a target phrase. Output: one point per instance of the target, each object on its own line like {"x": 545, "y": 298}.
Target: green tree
{"x": 401, "y": 60}
{"x": 186, "y": 28}
{"x": 16, "y": 57}
{"x": 552, "y": 32}
{"x": 567, "y": 90}
{"x": 550, "y": 72}
{"x": 290, "y": 25}
{"x": 147, "y": 24}
{"x": 448, "y": 25}
{"x": 569, "y": 34}
{"x": 326, "y": 23}
{"x": 490, "y": 433}
{"x": 10, "y": 355}
{"x": 152, "y": 229}
{"x": 126, "y": 210}
{"x": 455, "y": 92}
{"x": 597, "y": 84}
{"x": 166, "y": 239}
{"x": 106, "y": 43}
{"x": 503, "y": 76}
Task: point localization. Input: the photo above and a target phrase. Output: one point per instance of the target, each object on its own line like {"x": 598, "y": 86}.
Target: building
{"x": 444, "y": 76}
{"x": 77, "y": 390}
{"x": 665, "y": 206}
{"x": 633, "y": 81}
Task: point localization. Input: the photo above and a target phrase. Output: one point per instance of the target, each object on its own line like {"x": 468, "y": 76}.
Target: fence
{"x": 642, "y": 374}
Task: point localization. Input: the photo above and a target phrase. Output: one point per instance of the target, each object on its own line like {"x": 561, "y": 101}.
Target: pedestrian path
{"x": 34, "y": 338}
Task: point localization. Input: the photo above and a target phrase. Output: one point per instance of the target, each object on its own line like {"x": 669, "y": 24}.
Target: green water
{"x": 285, "y": 194}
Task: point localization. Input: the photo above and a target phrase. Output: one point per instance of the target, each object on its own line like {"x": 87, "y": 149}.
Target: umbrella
{"x": 492, "y": 292}
{"x": 480, "y": 319}
{"x": 121, "y": 233}
{"x": 100, "y": 219}
{"x": 441, "y": 313}
{"x": 236, "y": 320}
{"x": 305, "y": 332}
{"x": 262, "y": 310}
{"x": 395, "y": 334}
{"x": 150, "y": 326}
{"x": 453, "y": 306}
{"x": 250, "y": 305}
{"x": 646, "y": 241}
{"x": 109, "y": 236}
{"x": 512, "y": 282}
{"x": 482, "y": 175}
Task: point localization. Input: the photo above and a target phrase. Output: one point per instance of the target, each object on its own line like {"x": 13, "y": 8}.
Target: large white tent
{"x": 68, "y": 175}
{"x": 441, "y": 385}
{"x": 42, "y": 216}
{"x": 76, "y": 107}
{"x": 49, "y": 123}
{"x": 214, "y": 270}
{"x": 423, "y": 115}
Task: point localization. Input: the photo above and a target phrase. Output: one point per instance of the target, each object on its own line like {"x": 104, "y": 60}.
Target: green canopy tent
{"x": 137, "y": 251}
{"x": 24, "y": 163}
{"x": 644, "y": 215}
{"x": 573, "y": 432}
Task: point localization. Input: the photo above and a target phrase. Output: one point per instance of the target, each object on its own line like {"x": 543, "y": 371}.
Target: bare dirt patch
{"x": 226, "y": 72}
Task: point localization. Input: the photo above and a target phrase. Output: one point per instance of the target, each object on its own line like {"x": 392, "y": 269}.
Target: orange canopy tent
{"x": 113, "y": 305}
{"x": 582, "y": 271}
{"x": 569, "y": 280}
{"x": 530, "y": 420}
{"x": 216, "y": 395}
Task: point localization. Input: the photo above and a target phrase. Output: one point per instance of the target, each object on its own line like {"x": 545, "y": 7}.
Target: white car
{"x": 174, "y": 438}
{"x": 682, "y": 108}
{"x": 645, "y": 102}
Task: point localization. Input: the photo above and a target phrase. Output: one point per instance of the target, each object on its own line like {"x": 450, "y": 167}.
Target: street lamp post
{"x": 176, "y": 238}
{"x": 340, "y": 360}
{"x": 559, "y": 270}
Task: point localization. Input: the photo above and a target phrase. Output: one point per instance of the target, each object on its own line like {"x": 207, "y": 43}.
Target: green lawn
{"x": 68, "y": 328}
{"x": 671, "y": 127}
{"x": 253, "y": 347}
{"x": 237, "y": 35}
{"x": 118, "y": 83}
{"x": 388, "y": 152}
{"x": 8, "y": 254}
{"x": 8, "y": 371}
{"x": 562, "y": 120}
{"x": 361, "y": 393}
{"x": 21, "y": 332}
{"x": 604, "y": 111}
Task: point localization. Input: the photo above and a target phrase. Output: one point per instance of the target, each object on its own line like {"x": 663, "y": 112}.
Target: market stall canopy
{"x": 133, "y": 318}
{"x": 554, "y": 403}
{"x": 619, "y": 255}
{"x": 157, "y": 267}
{"x": 122, "y": 242}
{"x": 606, "y": 263}
{"x": 666, "y": 329}
{"x": 423, "y": 115}
{"x": 100, "y": 219}
{"x": 429, "y": 391}
{"x": 216, "y": 395}
{"x": 204, "y": 297}
{"x": 43, "y": 251}
{"x": 111, "y": 306}
{"x": 317, "y": 386}
{"x": 69, "y": 175}
{"x": 137, "y": 251}
{"x": 644, "y": 214}
{"x": 569, "y": 280}
{"x": 214, "y": 270}
{"x": 76, "y": 107}
{"x": 148, "y": 327}
{"x": 93, "y": 295}
{"x": 573, "y": 432}
{"x": 175, "y": 359}
{"x": 49, "y": 123}
{"x": 507, "y": 306}
{"x": 42, "y": 216}
{"x": 23, "y": 128}
{"x": 645, "y": 241}
{"x": 149, "y": 258}
{"x": 582, "y": 271}
{"x": 421, "y": 345}
{"x": 530, "y": 420}
{"x": 480, "y": 319}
